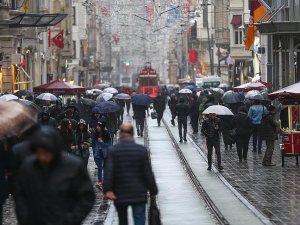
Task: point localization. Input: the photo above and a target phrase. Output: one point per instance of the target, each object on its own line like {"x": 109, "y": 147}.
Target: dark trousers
{"x": 128, "y": 107}
{"x": 257, "y": 141}
{"x": 195, "y": 123}
{"x": 138, "y": 210}
{"x": 269, "y": 152}
{"x": 210, "y": 145}
{"x": 159, "y": 116}
{"x": 173, "y": 112}
{"x": 99, "y": 163}
{"x": 140, "y": 124}
{"x": 182, "y": 124}
{"x": 242, "y": 144}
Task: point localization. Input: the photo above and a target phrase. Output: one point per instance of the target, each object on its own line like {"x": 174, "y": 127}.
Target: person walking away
{"x": 194, "y": 114}
{"x": 243, "y": 126}
{"x": 47, "y": 120}
{"x": 172, "y": 106}
{"x": 211, "y": 128}
{"x": 139, "y": 115}
{"x": 6, "y": 170}
{"x": 82, "y": 141}
{"x": 182, "y": 111}
{"x": 256, "y": 112}
{"x": 121, "y": 103}
{"x": 159, "y": 105}
{"x": 101, "y": 141}
{"x": 226, "y": 126}
{"x": 269, "y": 134}
{"x": 128, "y": 105}
{"x": 67, "y": 135}
{"x": 128, "y": 176}
{"x": 52, "y": 187}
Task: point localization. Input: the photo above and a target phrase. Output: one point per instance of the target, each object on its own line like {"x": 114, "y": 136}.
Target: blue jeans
{"x": 138, "y": 210}
{"x": 99, "y": 163}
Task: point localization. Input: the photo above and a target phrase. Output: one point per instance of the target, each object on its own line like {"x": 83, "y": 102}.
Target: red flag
{"x": 256, "y": 13}
{"x": 59, "y": 39}
{"x": 49, "y": 38}
{"x": 193, "y": 56}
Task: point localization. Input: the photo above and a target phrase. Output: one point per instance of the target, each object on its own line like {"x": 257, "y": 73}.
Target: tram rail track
{"x": 200, "y": 190}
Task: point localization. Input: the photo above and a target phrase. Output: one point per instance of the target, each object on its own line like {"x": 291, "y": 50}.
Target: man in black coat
{"x": 194, "y": 114}
{"x": 172, "y": 106}
{"x": 182, "y": 111}
{"x": 159, "y": 106}
{"x": 139, "y": 112}
{"x": 211, "y": 129}
{"x": 52, "y": 187}
{"x": 128, "y": 176}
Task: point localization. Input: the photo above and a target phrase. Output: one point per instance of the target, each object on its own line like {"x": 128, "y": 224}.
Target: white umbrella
{"x": 104, "y": 97}
{"x": 218, "y": 110}
{"x": 185, "y": 91}
{"x": 110, "y": 90}
{"x": 219, "y": 90}
{"x": 47, "y": 97}
{"x": 123, "y": 96}
{"x": 8, "y": 97}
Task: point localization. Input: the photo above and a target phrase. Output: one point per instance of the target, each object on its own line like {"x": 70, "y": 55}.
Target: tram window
{"x": 148, "y": 82}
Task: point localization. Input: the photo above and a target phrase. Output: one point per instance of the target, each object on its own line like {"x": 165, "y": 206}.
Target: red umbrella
{"x": 60, "y": 87}
{"x": 259, "y": 85}
{"x": 288, "y": 94}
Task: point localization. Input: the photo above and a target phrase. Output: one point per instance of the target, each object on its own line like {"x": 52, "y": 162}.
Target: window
{"x": 74, "y": 15}
{"x": 238, "y": 37}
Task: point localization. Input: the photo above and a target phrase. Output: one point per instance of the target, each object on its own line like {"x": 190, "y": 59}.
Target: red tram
{"x": 148, "y": 81}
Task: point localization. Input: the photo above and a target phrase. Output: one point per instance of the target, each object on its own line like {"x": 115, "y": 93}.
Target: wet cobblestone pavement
{"x": 96, "y": 217}
{"x": 272, "y": 190}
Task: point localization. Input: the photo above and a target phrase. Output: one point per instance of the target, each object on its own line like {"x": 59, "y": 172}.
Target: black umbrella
{"x": 24, "y": 93}
{"x": 88, "y": 102}
{"x": 30, "y": 104}
{"x": 108, "y": 107}
{"x": 231, "y": 97}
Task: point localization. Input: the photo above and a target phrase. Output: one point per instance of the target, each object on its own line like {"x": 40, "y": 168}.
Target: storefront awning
{"x": 34, "y": 20}
{"x": 237, "y": 20}
{"x": 279, "y": 27}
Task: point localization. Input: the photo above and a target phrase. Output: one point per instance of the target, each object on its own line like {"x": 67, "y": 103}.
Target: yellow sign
{"x": 25, "y": 7}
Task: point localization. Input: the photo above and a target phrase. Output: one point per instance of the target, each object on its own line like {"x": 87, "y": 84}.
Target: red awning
{"x": 60, "y": 87}
{"x": 237, "y": 20}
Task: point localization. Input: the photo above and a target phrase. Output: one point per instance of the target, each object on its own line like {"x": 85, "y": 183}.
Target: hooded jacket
{"x": 60, "y": 193}
{"x": 49, "y": 121}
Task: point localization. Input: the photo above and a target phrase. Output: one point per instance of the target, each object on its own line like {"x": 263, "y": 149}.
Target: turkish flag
{"x": 59, "y": 39}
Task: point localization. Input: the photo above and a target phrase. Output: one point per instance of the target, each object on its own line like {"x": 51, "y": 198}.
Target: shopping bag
{"x": 154, "y": 214}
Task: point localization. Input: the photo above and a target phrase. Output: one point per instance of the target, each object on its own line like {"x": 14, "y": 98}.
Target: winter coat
{"x": 202, "y": 100}
{"x": 209, "y": 131}
{"x": 60, "y": 193}
{"x": 226, "y": 122}
{"x": 159, "y": 104}
{"x": 182, "y": 111}
{"x": 68, "y": 139}
{"x": 172, "y": 104}
{"x": 243, "y": 125}
{"x": 268, "y": 127}
{"x": 256, "y": 113}
{"x": 139, "y": 111}
{"x": 128, "y": 173}
{"x": 194, "y": 112}
{"x": 49, "y": 122}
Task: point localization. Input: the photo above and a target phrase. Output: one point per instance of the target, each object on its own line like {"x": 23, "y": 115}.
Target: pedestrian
{"x": 159, "y": 105}
{"x": 67, "y": 134}
{"x": 269, "y": 134}
{"x": 121, "y": 103}
{"x": 256, "y": 112}
{"x": 112, "y": 124}
{"x": 57, "y": 111}
{"x": 69, "y": 114}
{"x": 128, "y": 105}
{"x": 101, "y": 141}
{"x": 211, "y": 129}
{"x": 172, "y": 106}
{"x": 52, "y": 187}
{"x": 82, "y": 141}
{"x": 202, "y": 100}
{"x": 242, "y": 126}
{"x": 47, "y": 120}
{"x": 194, "y": 114}
{"x": 95, "y": 118}
{"x": 225, "y": 130}
{"x": 182, "y": 111}
{"x": 6, "y": 170}
{"x": 128, "y": 176}
{"x": 139, "y": 116}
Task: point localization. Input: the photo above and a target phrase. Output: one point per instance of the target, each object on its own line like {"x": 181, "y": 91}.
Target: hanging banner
{"x": 193, "y": 56}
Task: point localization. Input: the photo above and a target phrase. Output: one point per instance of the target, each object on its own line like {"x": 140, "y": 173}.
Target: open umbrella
{"x": 190, "y": 87}
{"x": 224, "y": 86}
{"x": 88, "y": 102}
{"x": 8, "y": 97}
{"x": 23, "y": 93}
{"x": 15, "y": 119}
{"x": 218, "y": 110}
{"x": 29, "y": 104}
{"x": 108, "y": 107}
{"x": 219, "y": 90}
{"x": 185, "y": 91}
{"x": 104, "y": 97}
{"x": 141, "y": 99}
{"x": 254, "y": 95}
{"x": 123, "y": 96}
{"x": 47, "y": 97}
{"x": 231, "y": 97}
{"x": 111, "y": 90}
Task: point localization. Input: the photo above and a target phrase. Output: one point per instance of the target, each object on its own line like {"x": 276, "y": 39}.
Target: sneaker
{"x": 209, "y": 168}
{"x": 180, "y": 140}
{"x": 220, "y": 168}
{"x": 99, "y": 185}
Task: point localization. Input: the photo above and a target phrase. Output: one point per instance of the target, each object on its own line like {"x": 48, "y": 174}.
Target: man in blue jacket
{"x": 256, "y": 112}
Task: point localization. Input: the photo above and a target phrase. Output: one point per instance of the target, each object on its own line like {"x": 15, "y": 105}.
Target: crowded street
{"x": 149, "y": 112}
